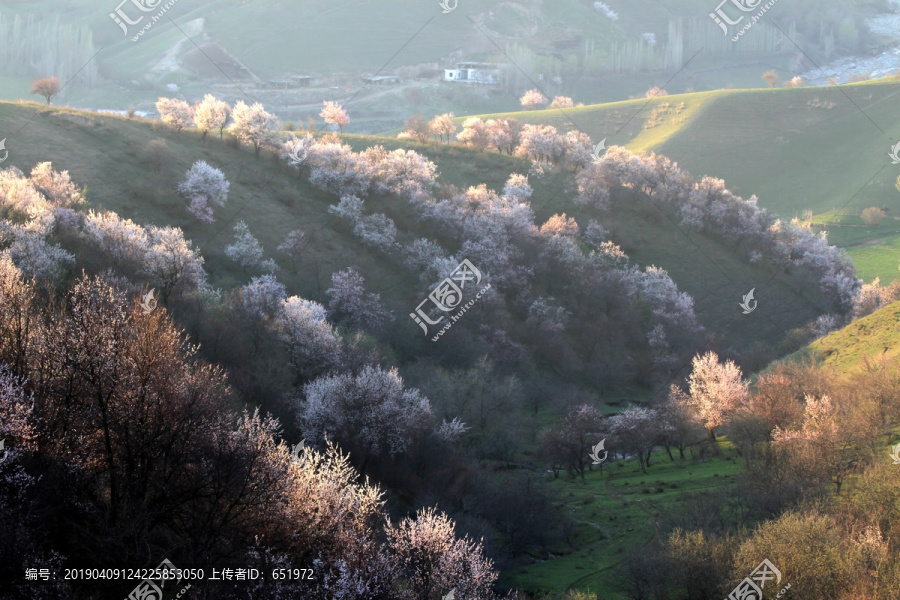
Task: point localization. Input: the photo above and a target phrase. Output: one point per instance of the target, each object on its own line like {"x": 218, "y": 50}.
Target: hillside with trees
{"x": 191, "y": 315}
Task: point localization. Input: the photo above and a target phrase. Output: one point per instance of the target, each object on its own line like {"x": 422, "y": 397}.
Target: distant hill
{"x": 572, "y": 47}
{"x": 800, "y": 149}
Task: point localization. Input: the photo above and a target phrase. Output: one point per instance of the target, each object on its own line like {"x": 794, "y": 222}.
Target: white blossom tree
{"x": 443, "y": 125}
{"x": 16, "y": 408}
{"x": 715, "y": 391}
{"x": 593, "y": 189}
{"x": 517, "y": 189}
{"x": 334, "y": 114}
{"x": 171, "y": 263}
{"x": 253, "y": 125}
{"x": 246, "y": 249}
{"x": 372, "y": 412}
{"x": 435, "y": 562}
{"x": 349, "y": 304}
{"x": 294, "y": 246}
{"x": 211, "y": 114}
{"x": 262, "y": 296}
{"x": 377, "y": 231}
{"x": 175, "y": 113}
{"x": 560, "y": 225}
{"x": 578, "y": 150}
{"x": 595, "y": 233}
{"x": 474, "y": 132}
{"x": 335, "y": 168}
{"x": 200, "y": 208}
{"x": 503, "y": 134}
{"x": 562, "y": 102}
{"x": 533, "y": 99}
{"x": 350, "y": 208}
{"x": 541, "y": 143}
{"x": 312, "y": 344}
{"x": 206, "y": 181}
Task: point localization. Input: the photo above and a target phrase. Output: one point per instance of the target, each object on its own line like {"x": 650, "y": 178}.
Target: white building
{"x": 476, "y": 72}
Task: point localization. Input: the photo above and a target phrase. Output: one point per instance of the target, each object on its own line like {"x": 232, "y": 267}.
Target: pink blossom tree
{"x": 334, "y": 114}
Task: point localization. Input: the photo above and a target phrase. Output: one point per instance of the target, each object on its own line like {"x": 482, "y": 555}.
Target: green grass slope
{"x": 875, "y": 337}
{"x": 103, "y": 153}
{"x": 823, "y": 150}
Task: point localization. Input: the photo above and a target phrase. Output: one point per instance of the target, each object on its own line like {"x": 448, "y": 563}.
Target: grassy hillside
{"x": 875, "y": 337}
{"x": 797, "y": 150}
{"x": 273, "y": 201}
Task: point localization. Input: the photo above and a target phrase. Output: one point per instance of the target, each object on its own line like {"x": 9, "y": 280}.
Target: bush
{"x": 873, "y": 215}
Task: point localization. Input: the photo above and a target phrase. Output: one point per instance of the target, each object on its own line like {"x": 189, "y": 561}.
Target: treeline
{"x": 817, "y": 497}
